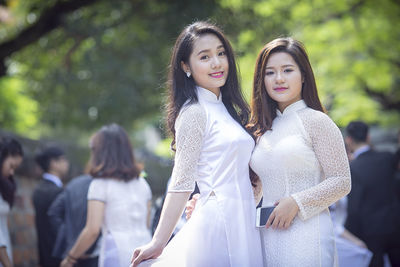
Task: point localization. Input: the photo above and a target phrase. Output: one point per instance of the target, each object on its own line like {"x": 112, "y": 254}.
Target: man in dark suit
{"x": 373, "y": 209}
{"x": 55, "y": 166}
{"x": 67, "y": 216}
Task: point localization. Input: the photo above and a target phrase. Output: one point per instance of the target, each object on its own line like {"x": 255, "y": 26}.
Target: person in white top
{"x": 119, "y": 201}
{"x": 206, "y": 115}
{"x": 299, "y": 157}
{"x": 11, "y": 155}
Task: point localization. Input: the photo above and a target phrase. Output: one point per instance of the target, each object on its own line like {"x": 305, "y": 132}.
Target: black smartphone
{"x": 263, "y": 214}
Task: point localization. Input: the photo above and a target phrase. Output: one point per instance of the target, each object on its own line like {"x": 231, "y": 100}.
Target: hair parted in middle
{"x": 263, "y": 107}
{"x": 182, "y": 88}
{"x": 112, "y": 154}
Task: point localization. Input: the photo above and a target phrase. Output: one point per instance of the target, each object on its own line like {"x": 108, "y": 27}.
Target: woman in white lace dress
{"x": 119, "y": 201}
{"x": 299, "y": 157}
{"x": 206, "y": 115}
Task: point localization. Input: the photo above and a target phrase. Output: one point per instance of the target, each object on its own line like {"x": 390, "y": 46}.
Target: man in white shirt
{"x": 55, "y": 166}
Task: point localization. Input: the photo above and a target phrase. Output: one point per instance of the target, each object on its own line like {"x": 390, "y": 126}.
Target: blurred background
{"x": 67, "y": 67}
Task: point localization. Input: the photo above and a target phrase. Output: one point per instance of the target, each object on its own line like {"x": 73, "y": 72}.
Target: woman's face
{"x": 10, "y": 164}
{"x": 208, "y": 63}
{"x": 283, "y": 79}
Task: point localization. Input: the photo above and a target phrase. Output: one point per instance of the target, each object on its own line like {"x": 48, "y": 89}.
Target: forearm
{"x": 173, "y": 208}
{"x": 86, "y": 238}
{"x": 4, "y": 259}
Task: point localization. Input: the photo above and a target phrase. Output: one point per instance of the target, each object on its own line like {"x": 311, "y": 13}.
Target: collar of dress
{"x": 292, "y": 108}
{"x": 208, "y": 95}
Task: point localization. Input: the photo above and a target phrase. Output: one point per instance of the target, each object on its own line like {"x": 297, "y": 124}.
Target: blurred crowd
{"x": 101, "y": 216}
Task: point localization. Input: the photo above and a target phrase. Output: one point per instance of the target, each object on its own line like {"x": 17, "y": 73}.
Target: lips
{"x": 218, "y": 74}
{"x": 280, "y": 89}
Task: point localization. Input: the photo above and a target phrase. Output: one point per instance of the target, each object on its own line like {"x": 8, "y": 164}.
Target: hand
{"x": 149, "y": 251}
{"x": 283, "y": 215}
{"x": 191, "y": 205}
{"x": 66, "y": 263}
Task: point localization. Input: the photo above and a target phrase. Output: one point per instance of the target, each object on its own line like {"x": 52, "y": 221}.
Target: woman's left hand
{"x": 283, "y": 215}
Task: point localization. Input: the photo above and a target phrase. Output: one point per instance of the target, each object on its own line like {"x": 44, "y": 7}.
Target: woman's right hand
{"x": 146, "y": 252}
{"x": 191, "y": 205}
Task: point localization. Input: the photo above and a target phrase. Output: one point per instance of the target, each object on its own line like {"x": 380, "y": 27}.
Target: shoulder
{"x": 195, "y": 110}
{"x": 192, "y": 116}
{"x": 80, "y": 180}
{"x": 316, "y": 120}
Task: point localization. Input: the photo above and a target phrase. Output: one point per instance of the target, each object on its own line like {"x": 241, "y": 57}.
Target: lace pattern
{"x": 327, "y": 143}
{"x": 190, "y": 127}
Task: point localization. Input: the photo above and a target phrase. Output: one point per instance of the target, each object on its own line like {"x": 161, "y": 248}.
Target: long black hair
{"x": 9, "y": 147}
{"x": 181, "y": 88}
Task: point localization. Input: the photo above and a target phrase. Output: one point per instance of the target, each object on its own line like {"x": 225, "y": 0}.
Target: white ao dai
{"x": 213, "y": 150}
{"x": 303, "y": 156}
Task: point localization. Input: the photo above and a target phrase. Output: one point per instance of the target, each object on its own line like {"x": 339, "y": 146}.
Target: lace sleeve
{"x": 190, "y": 126}
{"x": 328, "y": 145}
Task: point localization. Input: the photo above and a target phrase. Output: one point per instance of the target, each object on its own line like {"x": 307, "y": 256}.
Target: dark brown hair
{"x": 263, "y": 107}
{"x": 9, "y": 147}
{"x": 181, "y": 88}
{"x": 112, "y": 154}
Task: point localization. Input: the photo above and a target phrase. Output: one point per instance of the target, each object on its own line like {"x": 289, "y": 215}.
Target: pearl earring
{"x": 188, "y": 74}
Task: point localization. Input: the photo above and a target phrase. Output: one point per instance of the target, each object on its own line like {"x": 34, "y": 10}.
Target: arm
{"x": 328, "y": 145}
{"x": 148, "y": 214}
{"x": 89, "y": 233}
{"x": 56, "y": 212}
{"x": 190, "y": 127}
{"x": 5, "y": 261}
{"x": 352, "y": 238}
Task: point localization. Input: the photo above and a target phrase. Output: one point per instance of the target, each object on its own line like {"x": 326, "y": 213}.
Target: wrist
{"x": 71, "y": 259}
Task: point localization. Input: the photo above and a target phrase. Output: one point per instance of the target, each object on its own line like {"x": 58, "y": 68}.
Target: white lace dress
{"x": 303, "y": 156}
{"x": 4, "y": 234}
{"x": 213, "y": 150}
{"x": 124, "y": 225}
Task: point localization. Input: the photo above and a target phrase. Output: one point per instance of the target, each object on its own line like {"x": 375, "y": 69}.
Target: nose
{"x": 279, "y": 77}
{"x": 215, "y": 63}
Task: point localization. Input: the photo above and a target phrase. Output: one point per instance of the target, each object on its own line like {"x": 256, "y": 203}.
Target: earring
{"x": 188, "y": 74}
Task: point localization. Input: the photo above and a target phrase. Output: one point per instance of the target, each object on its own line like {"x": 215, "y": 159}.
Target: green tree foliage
{"x": 105, "y": 61}
{"x": 353, "y": 47}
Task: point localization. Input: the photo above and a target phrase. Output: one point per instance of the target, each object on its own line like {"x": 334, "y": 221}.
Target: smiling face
{"x": 208, "y": 63}
{"x": 283, "y": 79}
{"x": 9, "y": 165}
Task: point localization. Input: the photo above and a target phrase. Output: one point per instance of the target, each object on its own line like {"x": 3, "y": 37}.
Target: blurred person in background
{"x": 373, "y": 212}
{"x": 11, "y": 155}
{"x": 119, "y": 201}
{"x": 67, "y": 216}
{"x": 55, "y": 167}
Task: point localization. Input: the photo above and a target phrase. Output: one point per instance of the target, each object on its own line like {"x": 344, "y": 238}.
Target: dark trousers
{"x": 384, "y": 244}
{"x": 91, "y": 262}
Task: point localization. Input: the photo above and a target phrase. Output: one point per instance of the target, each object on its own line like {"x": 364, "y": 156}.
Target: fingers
{"x": 136, "y": 257}
{"x": 271, "y": 219}
{"x": 196, "y": 196}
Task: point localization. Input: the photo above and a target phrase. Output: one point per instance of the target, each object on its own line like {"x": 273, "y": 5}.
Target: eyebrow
{"x": 284, "y": 66}
{"x": 207, "y": 50}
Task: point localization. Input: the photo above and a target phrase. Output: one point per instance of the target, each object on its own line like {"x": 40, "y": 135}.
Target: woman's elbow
{"x": 92, "y": 232}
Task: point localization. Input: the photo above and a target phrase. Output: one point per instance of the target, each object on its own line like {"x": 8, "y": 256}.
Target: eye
{"x": 288, "y": 70}
{"x": 204, "y": 57}
{"x": 222, "y": 53}
{"x": 269, "y": 73}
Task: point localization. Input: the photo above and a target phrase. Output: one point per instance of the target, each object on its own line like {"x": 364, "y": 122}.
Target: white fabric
{"x": 303, "y": 156}
{"x": 125, "y": 215}
{"x": 52, "y": 178}
{"x": 4, "y": 234}
{"x": 349, "y": 254}
{"x": 213, "y": 150}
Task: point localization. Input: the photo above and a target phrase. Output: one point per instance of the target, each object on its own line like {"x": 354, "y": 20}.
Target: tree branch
{"x": 49, "y": 20}
{"x": 387, "y": 102}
